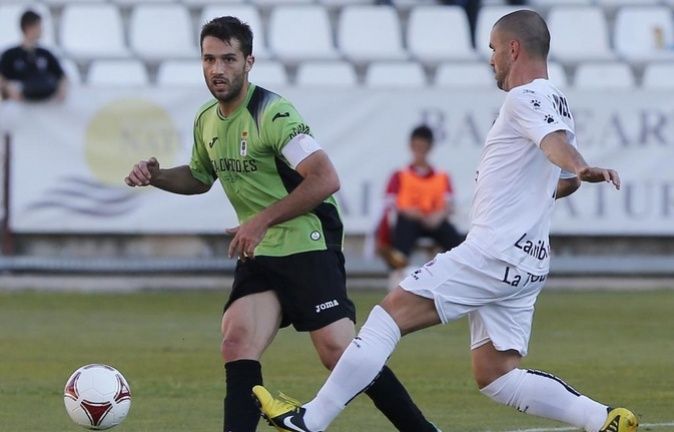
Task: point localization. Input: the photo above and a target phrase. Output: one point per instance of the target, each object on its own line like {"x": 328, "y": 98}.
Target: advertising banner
{"x": 69, "y": 160}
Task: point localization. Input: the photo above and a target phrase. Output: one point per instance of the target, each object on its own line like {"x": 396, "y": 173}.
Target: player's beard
{"x": 501, "y": 75}
{"x": 500, "y": 78}
{"x": 235, "y": 86}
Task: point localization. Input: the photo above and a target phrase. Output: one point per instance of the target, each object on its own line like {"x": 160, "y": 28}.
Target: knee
{"x": 330, "y": 353}
{"x": 487, "y": 375}
{"x": 236, "y": 345}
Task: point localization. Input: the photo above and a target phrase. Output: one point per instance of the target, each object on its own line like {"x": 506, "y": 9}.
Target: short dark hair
{"x": 423, "y": 132}
{"x": 29, "y": 19}
{"x": 530, "y": 28}
{"x": 227, "y": 28}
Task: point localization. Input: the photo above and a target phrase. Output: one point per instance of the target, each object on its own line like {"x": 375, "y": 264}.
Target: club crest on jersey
{"x": 243, "y": 144}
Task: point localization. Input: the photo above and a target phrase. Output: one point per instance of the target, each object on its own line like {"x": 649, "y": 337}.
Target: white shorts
{"x": 497, "y": 297}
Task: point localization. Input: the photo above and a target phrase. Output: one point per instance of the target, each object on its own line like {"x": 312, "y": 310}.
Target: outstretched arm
{"x": 567, "y": 186}
{"x": 560, "y": 152}
{"x": 177, "y": 180}
{"x": 320, "y": 181}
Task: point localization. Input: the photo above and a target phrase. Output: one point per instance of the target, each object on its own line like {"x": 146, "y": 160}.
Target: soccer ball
{"x": 97, "y": 397}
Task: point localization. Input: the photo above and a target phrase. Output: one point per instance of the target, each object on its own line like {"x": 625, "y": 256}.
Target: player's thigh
{"x": 506, "y": 322}
{"x": 454, "y": 283}
{"x": 331, "y": 341}
{"x": 251, "y": 322}
{"x": 312, "y": 289}
{"x": 443, "y": 289}
{"x": 410, "y": 311}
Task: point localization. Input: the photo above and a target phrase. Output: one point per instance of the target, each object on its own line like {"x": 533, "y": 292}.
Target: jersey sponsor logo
{"x": 512, "y": 278}
{"x": 280, "y": 115}
{"x": 299, "y": 130}
{"x": 561, "y": 106}
{"x": 234, "y": 165}
{"x": 211, "y": 143}
{"x": 539, "y": 250}
{"x": 327, "y": 305}
{"x": 315, "y": 235}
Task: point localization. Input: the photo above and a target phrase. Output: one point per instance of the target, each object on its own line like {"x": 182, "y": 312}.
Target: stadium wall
{"x": 68, "y": 162}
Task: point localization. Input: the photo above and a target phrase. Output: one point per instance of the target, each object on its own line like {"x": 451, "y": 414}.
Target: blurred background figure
{"x": 419, "y": 201}
{"x": 28, "y": 71}
{"x": 472, "y": 8}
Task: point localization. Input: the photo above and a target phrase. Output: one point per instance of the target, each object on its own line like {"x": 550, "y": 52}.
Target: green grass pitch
{"x": 615, "y": 347}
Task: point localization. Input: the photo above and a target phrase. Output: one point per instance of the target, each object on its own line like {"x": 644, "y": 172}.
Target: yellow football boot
{"x": 620, "y": 420}
{"x": 285, "y": 414}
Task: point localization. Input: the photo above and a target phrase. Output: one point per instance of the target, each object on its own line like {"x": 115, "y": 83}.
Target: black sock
{"x": 392, "y": 399}
{"x": 241, "y": 412}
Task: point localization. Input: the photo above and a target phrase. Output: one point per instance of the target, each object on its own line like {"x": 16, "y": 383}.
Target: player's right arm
{"x": 177, "y": 180}
{"x": 559, "y": 151}
{"x": 195, "y": 178}
{"x": 536, "y": 118}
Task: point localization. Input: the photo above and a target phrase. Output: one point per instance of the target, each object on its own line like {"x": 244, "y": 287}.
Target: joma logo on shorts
{"x": 326, "y": 305}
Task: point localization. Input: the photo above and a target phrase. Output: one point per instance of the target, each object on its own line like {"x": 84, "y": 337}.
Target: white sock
{"x": 544, "y": 395}
{"x": 356, "y": 369}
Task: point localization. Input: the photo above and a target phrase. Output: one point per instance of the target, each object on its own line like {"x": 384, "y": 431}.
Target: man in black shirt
{"x": 29, "y": 72}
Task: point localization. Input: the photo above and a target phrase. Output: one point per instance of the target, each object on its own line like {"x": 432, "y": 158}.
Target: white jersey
{"x": 516, "y": 183}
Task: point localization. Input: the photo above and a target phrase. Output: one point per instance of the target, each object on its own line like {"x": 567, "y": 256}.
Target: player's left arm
{"x": 559, "y": 151}
{"x": 286, "y": 133}
{"x": 567, "y": 186}
{"x": 320, "y": 180}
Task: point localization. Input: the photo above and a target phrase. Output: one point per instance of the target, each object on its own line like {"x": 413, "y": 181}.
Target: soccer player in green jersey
{"x": 290, "y": 267}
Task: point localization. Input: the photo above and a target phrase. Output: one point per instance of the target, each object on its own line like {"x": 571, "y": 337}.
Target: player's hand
{"x": 246, "y": 238}
{"x": 596, "y": 175}
{"x": 143, "y": 173}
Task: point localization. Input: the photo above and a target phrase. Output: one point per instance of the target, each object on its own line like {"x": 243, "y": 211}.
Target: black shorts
{"x": 311, "y": 287}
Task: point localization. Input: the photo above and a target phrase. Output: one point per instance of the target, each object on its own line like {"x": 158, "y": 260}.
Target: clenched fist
{"x": 143, "y": 173}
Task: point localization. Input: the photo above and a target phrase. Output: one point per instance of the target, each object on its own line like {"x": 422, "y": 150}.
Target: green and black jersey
{"x": 243, "y": 151}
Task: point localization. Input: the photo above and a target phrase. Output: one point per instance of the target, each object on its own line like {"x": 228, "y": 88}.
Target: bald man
{"x": 529, "y": 160}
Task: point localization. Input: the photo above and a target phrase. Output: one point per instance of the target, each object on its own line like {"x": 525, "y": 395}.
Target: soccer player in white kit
{"x": 530, "y": 158}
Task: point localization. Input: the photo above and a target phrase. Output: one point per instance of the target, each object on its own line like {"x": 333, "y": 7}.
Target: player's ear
{"x": 250, "y": 60}
{"x": 515, "y": 47}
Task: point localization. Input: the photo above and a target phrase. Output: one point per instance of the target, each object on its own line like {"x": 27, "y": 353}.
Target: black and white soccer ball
{"x": 97, "y": 397}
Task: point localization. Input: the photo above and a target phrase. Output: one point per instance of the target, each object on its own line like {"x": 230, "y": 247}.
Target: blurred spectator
{"x": 472, "y": 8}
{"x": 30, "y": 72}
{"x": 419, "y": 198}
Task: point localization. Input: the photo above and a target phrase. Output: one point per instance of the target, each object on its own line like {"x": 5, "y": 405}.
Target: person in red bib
{"x": 419, "y": 201}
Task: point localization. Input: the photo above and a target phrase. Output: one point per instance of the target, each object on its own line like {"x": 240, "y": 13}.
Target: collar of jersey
{"x": 244, "y": 103}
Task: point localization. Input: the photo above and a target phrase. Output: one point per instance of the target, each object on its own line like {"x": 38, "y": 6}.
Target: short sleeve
{"x": 533, "y": 115}
{"x": 281, "y": 123}
{"x": 393, "y": 186}
{"x": 5, "y": 69}
{"x": 54, "y": 66}
{"x": 565, "y": 175}
{"x": 448, "y": 186}
{"x": 200, "y": 164}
